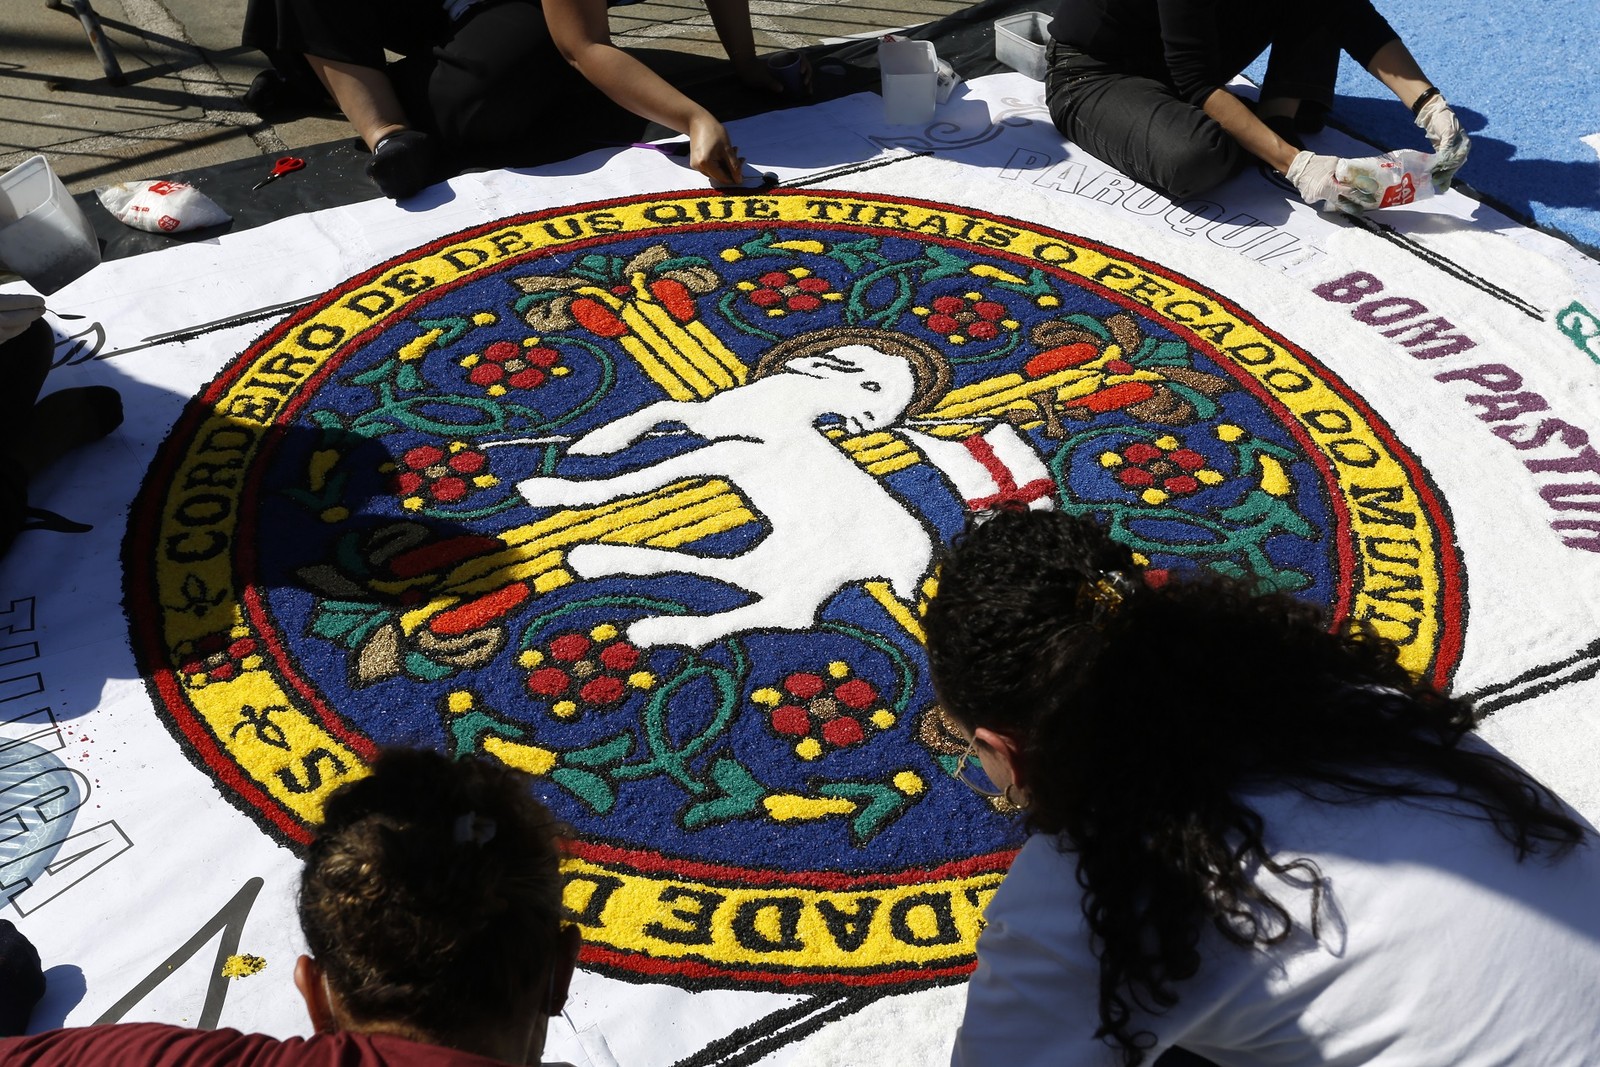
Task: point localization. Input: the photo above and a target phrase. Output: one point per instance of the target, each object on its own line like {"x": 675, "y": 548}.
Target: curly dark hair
{"x": 1140, "y": 711}
{"x": 431, "y": 895}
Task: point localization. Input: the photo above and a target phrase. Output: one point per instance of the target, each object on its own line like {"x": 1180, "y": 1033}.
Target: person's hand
{"x": 21, "y": 977}
{"x": 806, "y": 87}
{"x": 755, "y": 74}
{"x": 759, "y": 73}
{"x": 17, "y": 312}
{"x": 1314, "y": 177}
{"x": 711, "y": 154}
{"x": 1449, "y": 140}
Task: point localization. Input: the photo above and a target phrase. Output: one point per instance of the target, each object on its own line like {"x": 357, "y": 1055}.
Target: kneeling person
{"x": 431, "y": 902}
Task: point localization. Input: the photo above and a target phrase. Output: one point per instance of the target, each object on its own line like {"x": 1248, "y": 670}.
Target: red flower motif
{"x": 791, "y": 719}
{"x": 843, "y": 732}
{"x": 831, "y": 708}
{"x": 549, "y": 682}
{"x": 803, "y": 686}
{"x": 569, "y": 648}
{"x": 778, "y": 292}
{"x": 219, "y": 657}
{"x": 964, "y": 318}
{"x": 431, "y": 474}
{"x": 620, "y": 656}
{"x": 856, "y": 694}
{"x": 606, "y": 689}
{"x": 504, "y": 365}
{"x": 578, "y": 670}
{"x": 1160, "y": 470}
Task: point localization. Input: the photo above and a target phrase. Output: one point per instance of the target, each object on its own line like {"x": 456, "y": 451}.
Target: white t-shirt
{"x": 1437, "y": 948}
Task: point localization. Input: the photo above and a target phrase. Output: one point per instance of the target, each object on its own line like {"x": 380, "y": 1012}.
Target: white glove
{"x": 1449, "y": 140}
{"x": 17, "y": 312}
{"x": 1313, "y": 176}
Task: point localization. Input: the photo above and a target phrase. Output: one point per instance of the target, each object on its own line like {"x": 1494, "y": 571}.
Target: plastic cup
{"x": 790, "y": 69}
{"x": 44, "y": 235}
{"x": 910, "y": 71}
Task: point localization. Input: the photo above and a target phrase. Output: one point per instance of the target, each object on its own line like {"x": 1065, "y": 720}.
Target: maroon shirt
{"x": 159, "y": 1045}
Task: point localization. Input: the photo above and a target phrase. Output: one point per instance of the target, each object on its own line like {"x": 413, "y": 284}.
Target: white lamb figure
{"x": 831, "y": 523}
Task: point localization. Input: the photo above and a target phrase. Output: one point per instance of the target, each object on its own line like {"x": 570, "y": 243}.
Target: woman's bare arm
{"x": 1395, "y": 67}
{"x": 581, "y": 31}
{"x": 1252, "y": 134}
{"x": 732, "y": 21}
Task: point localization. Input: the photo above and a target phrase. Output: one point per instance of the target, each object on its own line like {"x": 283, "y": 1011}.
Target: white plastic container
{"x": 44, "y": 235}
{"x": 1022, "y": 41}
{"x": 910, "y": 72}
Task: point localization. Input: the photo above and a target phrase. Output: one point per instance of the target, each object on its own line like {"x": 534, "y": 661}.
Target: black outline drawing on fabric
{"x": 81, "y": 346}
{"x": 940, "y": 136}
{"x": 1435, "y": 259}
{"x": 768, "y": 1034}
{"x": 85, "y": 351}
{"x": 1416, "y": 248}
{"x": 820, "y": 176}
{"x": 42, "y": 794}
{"x": 1537, "y": 681}
{"x": 230, "y": 920}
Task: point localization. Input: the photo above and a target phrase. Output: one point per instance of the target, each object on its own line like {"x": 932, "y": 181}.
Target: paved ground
{"x": 1531, "y": 113}
{"x": 180, "y": 107}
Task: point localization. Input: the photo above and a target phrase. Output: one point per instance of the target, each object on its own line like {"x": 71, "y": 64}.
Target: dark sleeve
{"x": 21, "y": 974}
{"x": 1190, "y": 45}
{"x": 149, "y": 1045}
{"x": 1363, "y": 31}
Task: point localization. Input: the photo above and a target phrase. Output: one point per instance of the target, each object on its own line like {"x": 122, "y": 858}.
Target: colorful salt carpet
{"x": 637, "y": 485}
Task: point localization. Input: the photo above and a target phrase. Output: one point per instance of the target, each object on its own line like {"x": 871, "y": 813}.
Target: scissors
{"x": 283, "y": 166}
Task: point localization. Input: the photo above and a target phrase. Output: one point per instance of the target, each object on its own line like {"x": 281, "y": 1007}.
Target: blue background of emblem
{"x": 943, "y": 823}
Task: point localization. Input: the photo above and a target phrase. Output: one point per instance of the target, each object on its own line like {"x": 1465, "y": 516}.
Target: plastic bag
{"x": 161, "y": 207}
{"x": 1393, "y": 180}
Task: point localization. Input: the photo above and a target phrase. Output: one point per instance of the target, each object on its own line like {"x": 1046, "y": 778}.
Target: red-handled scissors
{"x": 283, "y": 166}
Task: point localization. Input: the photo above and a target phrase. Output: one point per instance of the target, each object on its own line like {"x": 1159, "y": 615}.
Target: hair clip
{"x": 1106, "y": 593}
{"x": 473, "y": 828}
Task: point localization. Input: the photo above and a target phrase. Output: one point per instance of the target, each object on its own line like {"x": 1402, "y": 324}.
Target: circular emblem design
{"x": 644, "y": 497}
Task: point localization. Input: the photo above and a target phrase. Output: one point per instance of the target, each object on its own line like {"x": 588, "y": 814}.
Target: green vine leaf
{"x": 408, "y": 378}
{"x": 945, "y": 265}
{"x": 741, "y": 795}
{"x": 595, "y": 792}
{"x": 857, "y": 255}
{"x": 883, "y": 805}
{"x": 1204, "y": 406}
{"x": 421, "y": 667}
{"x": 604, "y": 754}
{"x": 451, "y": 329}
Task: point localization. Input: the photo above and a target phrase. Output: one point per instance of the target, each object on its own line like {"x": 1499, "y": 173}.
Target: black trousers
{"x": 1136, "y": 121}
{"x": 490, "y": 86}
{"x": 25, "y": 360}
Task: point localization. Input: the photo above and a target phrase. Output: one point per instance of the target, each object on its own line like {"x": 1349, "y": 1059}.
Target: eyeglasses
{"x": 970, "y": 773}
